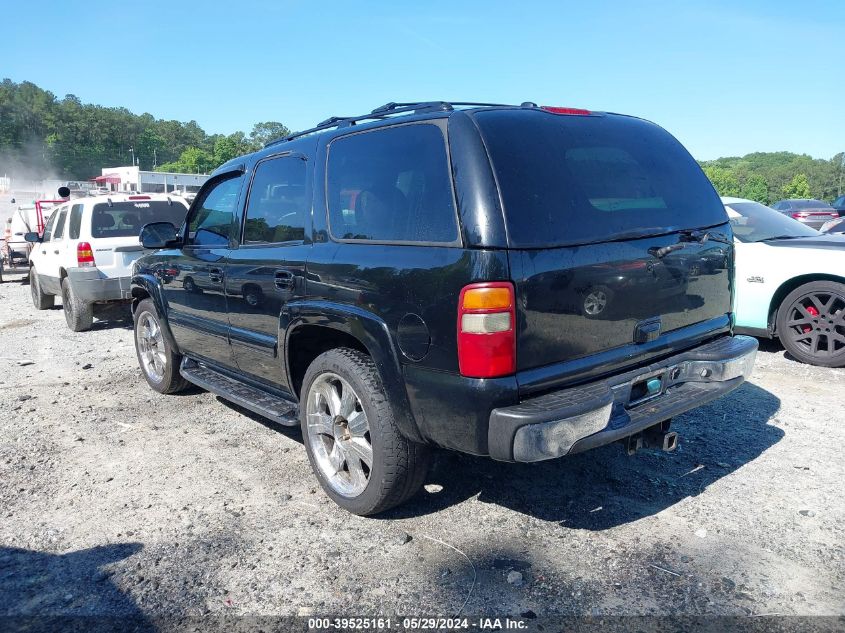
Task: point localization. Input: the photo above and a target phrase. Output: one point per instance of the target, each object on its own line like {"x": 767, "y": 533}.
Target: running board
{"x": 276, "y": 408}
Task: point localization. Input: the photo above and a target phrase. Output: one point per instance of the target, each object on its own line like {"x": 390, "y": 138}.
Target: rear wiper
{"x": 704, "y": 236}
{"x": 686, "y": 237}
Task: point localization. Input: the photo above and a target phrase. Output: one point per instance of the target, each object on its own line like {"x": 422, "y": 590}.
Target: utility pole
{"x": 132, "y": 151}
{"x": 841, "y": 169}
{"x": 155, "y": 160}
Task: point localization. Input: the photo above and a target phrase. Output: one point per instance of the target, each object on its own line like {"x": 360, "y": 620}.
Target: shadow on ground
{"x": 44, "y": 591}
{"x": 604, "y": 487}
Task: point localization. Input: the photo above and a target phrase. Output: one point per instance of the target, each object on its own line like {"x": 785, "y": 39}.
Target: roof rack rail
{"x": 387, "y": 110}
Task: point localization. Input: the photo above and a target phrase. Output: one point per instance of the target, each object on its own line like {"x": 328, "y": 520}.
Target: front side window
{"x": 211, "y": 224}
{"x": 48, "y": 228}
{"x": 392, "y": 185}
{"x": 278, "y": 209}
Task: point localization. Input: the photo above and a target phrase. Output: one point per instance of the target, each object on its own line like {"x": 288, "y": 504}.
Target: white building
{"x": 130, "y": 178}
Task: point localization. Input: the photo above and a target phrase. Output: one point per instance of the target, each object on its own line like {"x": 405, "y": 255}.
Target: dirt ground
{"x": 116, "y": 500}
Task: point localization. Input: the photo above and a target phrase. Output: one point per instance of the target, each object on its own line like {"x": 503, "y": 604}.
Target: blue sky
{"x": 727, "y": 77}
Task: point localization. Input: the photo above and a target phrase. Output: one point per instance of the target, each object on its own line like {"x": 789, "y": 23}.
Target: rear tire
{"x": 346, "y": 420}
{"x": 811, "y": 323}
{"x": 40, "y": 299}
{"x": 158, "y": 361}
{"x": 78, "y": 314}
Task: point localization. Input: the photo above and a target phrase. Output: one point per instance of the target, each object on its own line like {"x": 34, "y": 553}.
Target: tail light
{"x": 799, "y": 215}
{"x": 84, "y": 255}
{"x": 573, "y": 111}
{"x": 137, "y": 197}
{"x": 486, "y": 330}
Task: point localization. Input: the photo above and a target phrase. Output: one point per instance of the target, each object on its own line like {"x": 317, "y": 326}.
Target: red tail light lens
{"x": 84, "y": 255}
{"x": 486, "y": 330}
{"x": 573, "y": 111}
{"x": 799, "y": 215}
{"x": 138, "y": 197}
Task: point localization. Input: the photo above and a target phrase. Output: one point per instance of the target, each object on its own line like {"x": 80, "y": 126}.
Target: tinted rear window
{"x": 125, "y": 219}
{"x": 581, "y": 179}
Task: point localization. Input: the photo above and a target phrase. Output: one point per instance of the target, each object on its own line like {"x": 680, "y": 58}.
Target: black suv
{"x": 521, "y": 282}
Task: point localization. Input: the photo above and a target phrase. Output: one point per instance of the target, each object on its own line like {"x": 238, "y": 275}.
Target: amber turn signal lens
{"x": 487, "y": 299}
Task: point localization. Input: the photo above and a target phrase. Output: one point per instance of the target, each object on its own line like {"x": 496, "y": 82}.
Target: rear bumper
{"x": 584, "y": 417}
{"x": 90, "y": 286}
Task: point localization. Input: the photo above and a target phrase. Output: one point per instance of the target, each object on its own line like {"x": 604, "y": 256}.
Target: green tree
{"x": 192, "y": 161}
{"x": 263, "y": 133}
{"x": 724, "y": 180}
{"x": 798, "y": 187}
{"x": 756, "y": 188}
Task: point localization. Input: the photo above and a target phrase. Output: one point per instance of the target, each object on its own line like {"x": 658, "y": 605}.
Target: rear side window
{"x": 392, "y": 185}
{"x": 582, "y": 179}
{"x": 278, "y": 209}
{"x": 125, "y": 219}
{"x": 59, "y": 231}
{"x": 75, "y": 224}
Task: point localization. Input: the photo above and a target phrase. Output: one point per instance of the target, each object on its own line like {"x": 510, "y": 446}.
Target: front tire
{"x": 360, "y": 458}
{"x": 78, "y": 314}
{"x": 40, "y": 299}
{"x": 158, "y": 361}
{"x": 811, "y": 323}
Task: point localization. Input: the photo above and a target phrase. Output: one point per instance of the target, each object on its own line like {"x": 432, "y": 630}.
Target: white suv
{"x": 86, "y": 252}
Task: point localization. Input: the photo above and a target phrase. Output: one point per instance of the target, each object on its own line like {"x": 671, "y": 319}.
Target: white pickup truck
{"x": 86, "y": 252}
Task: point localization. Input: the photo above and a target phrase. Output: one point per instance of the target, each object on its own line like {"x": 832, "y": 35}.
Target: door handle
{"x": 56, "y": 252}
{"x": 283, "y": 280}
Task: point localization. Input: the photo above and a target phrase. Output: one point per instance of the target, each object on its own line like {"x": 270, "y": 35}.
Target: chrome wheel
{"x": 151, "y": 347}
{"x": 339, "y": 434}
{"x": 595, "y": 302}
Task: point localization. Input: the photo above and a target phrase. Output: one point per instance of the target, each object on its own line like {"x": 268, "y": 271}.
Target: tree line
{"x": 42, "y": 134}
{"x": 771, "y": 176}
{"x": 64, "y": 138}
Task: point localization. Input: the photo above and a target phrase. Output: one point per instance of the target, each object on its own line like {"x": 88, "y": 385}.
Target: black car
{"x": 520, "y": 282}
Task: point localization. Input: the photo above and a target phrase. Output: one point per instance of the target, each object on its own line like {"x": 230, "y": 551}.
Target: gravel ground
{"x": 117, "y": 500}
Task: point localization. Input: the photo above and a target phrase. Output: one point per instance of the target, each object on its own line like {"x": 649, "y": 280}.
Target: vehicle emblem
{"x": 755, "y": 279}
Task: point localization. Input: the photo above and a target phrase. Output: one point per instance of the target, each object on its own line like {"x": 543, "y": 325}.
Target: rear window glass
{"x": 582, "y": 179}
{"x": 125, "y": 219}
{"x": 392, "y": 185}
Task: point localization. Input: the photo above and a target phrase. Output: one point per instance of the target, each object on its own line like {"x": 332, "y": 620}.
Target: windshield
{"x": 579, "y": 179}
{"x": 754, "y": 222}
{"x": 125, "y": 219}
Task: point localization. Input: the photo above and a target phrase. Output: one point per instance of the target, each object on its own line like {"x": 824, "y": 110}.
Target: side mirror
{"x": 32, "y": 237}
{"x": 158, "y": 235}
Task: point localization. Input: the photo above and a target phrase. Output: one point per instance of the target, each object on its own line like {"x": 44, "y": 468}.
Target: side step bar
{"x": 278, "y": 409}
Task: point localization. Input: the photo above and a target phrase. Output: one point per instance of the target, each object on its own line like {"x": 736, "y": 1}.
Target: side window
{"x": 391, "y": 185}
{"x": 75, "y": 223}
{"x": 48, "y": 228}
{"x": 278, "y": 209}
{"x": 212, "y": 222}
{"x": 59, "y": 230}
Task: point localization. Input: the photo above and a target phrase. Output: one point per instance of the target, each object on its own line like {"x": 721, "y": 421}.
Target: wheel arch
{"x": 311, "y": 328}
{"x": 146, "y": 287}
{"x": 788, "y": 286}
